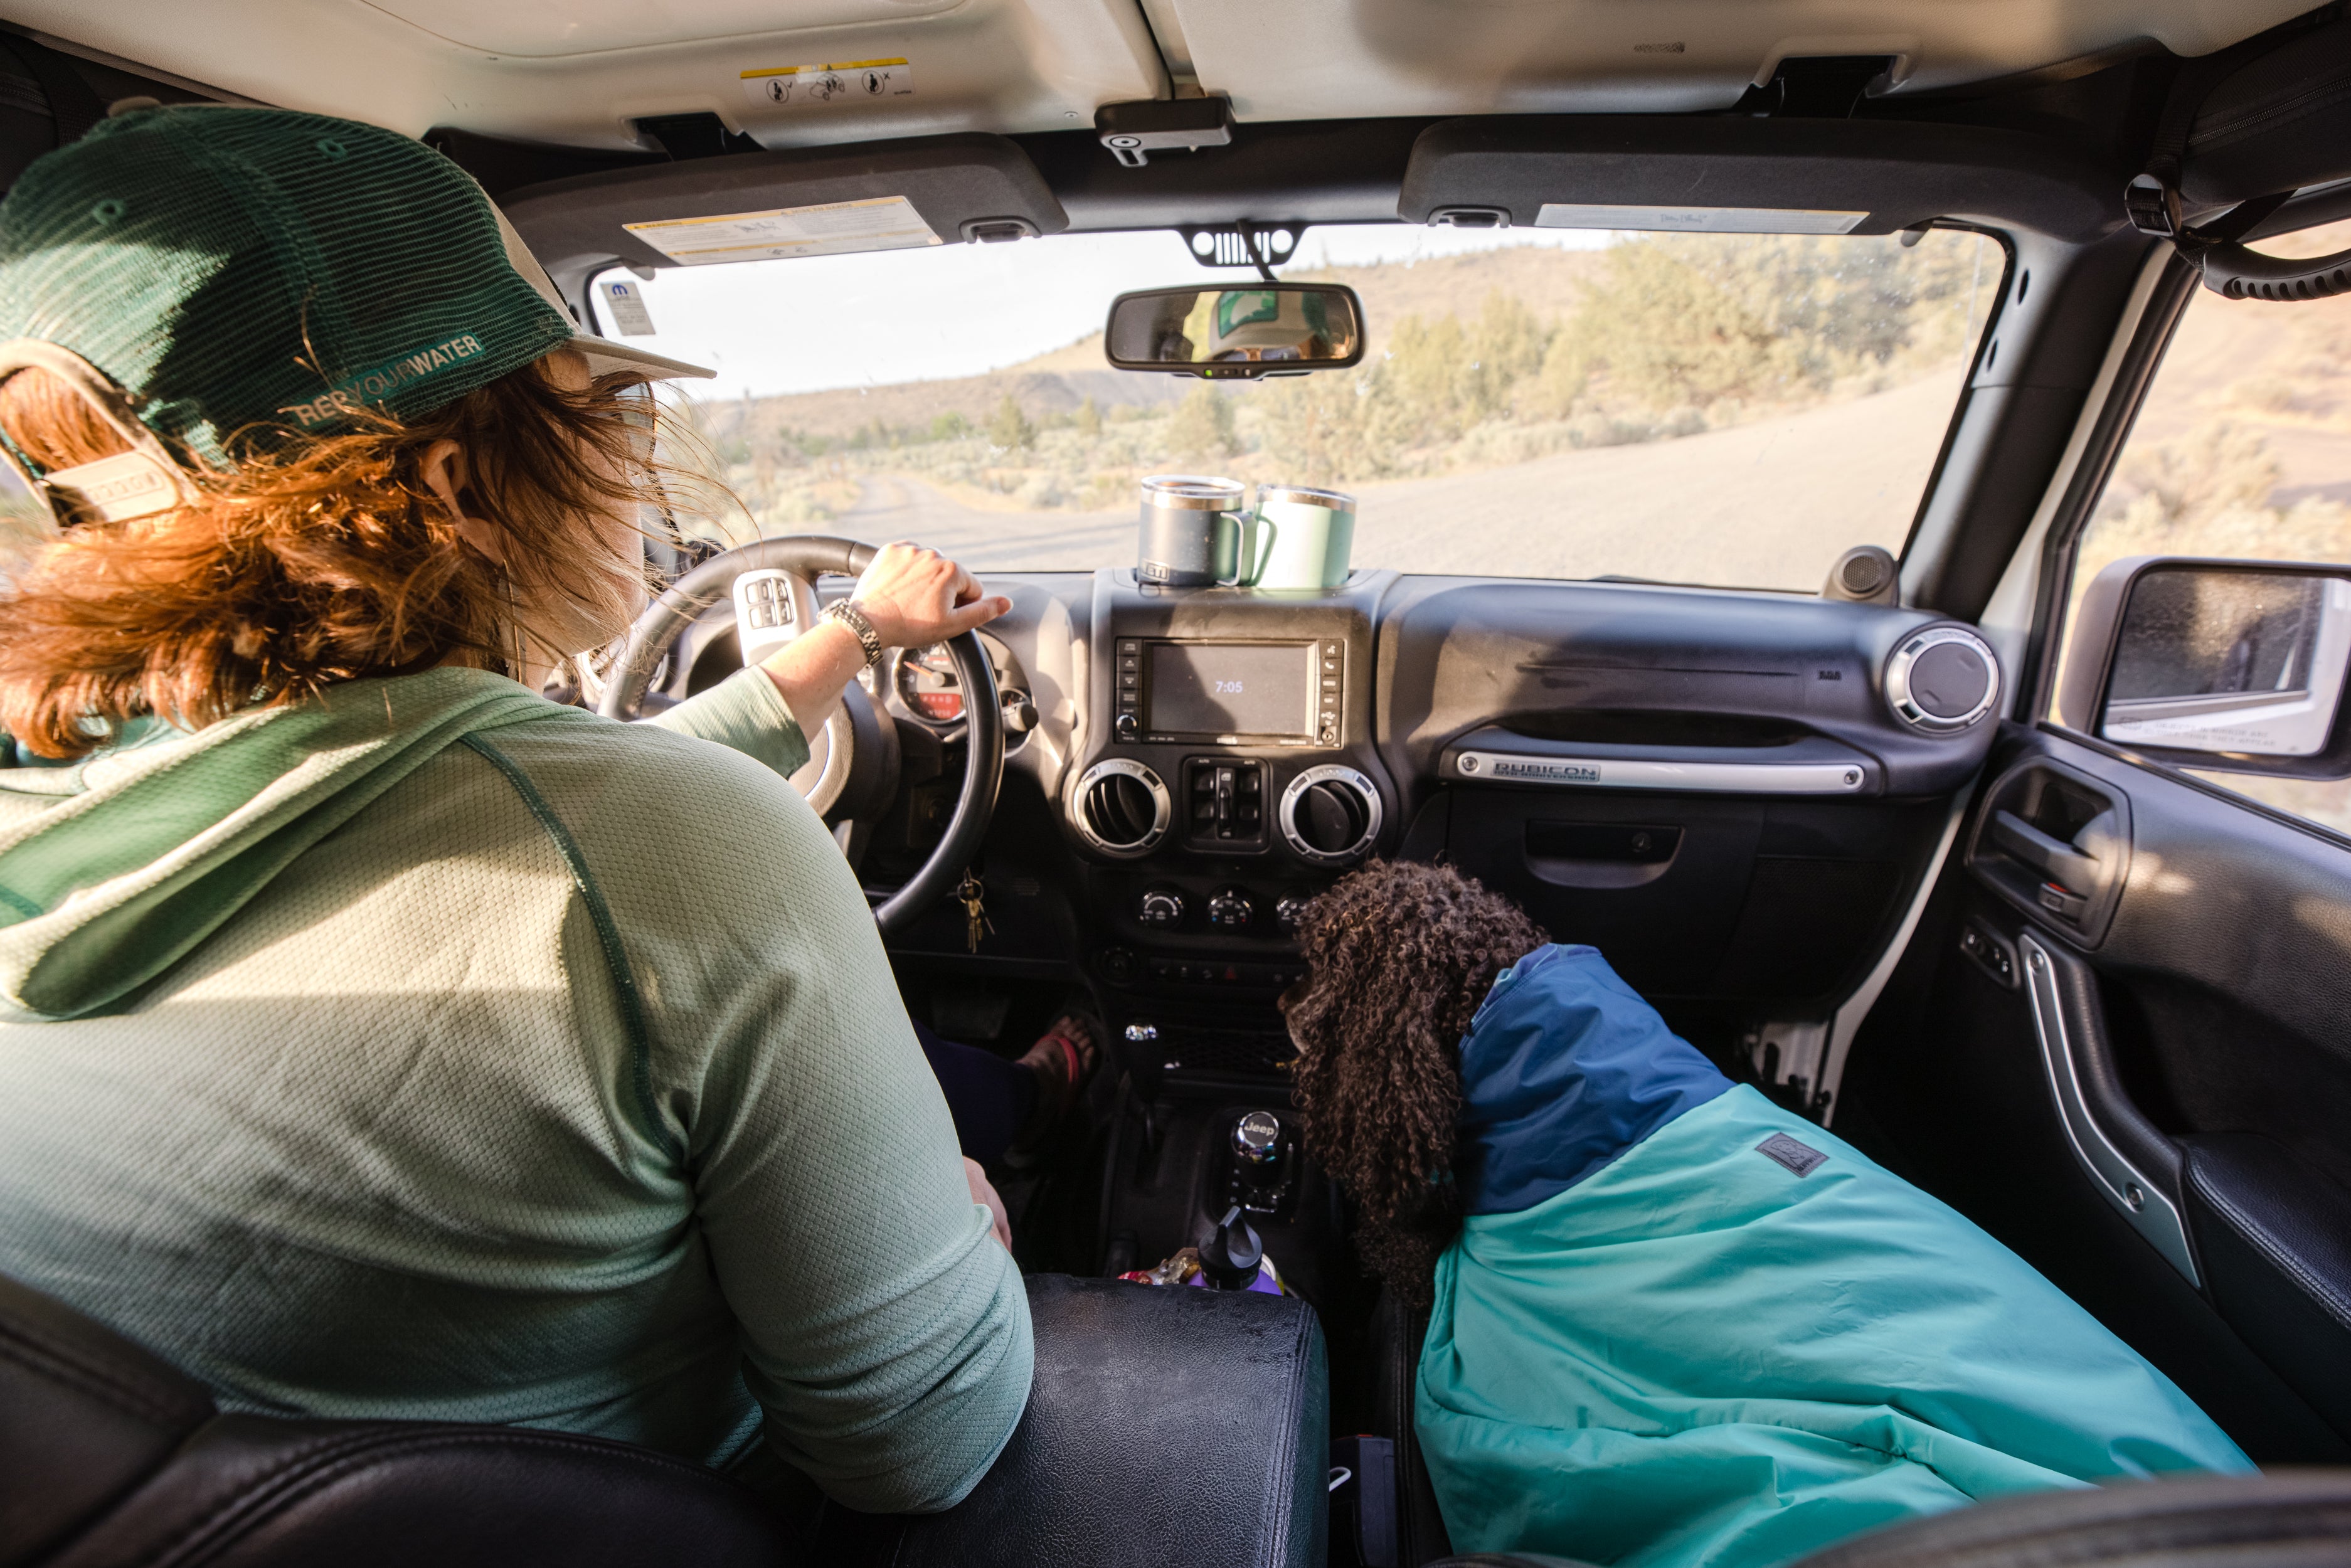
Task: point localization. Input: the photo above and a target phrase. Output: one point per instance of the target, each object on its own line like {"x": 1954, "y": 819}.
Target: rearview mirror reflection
{"x": 1263, "y": 329}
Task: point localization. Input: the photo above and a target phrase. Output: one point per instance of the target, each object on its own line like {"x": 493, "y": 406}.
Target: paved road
{"x": 1765, "y": 505}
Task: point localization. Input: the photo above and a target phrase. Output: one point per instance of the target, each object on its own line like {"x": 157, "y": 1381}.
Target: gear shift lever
{"x": 1261, "y": 1171}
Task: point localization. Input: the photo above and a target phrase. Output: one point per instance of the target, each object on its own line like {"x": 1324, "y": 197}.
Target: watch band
{"x": 846, "y": 611}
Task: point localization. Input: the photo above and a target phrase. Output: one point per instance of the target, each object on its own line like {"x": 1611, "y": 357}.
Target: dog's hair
{"x": 1398, "y": 957}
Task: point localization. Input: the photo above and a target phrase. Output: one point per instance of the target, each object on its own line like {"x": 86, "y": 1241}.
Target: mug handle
{"x": 1248, "y": 557}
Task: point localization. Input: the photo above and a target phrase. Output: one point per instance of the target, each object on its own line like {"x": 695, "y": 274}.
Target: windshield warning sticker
{"x": 878, "y": 223}
{"x": 626, "y": 304}
{"x": 851, "y": 82}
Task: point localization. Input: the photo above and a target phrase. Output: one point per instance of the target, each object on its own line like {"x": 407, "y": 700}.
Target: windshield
{"x": 1734, "y": 409}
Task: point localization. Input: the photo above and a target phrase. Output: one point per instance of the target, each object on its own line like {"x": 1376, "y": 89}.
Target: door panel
{"x": 2145, "y": 1091}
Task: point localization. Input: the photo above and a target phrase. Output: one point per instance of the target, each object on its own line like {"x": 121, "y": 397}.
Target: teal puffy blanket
{"x": 1684, "y": 1327}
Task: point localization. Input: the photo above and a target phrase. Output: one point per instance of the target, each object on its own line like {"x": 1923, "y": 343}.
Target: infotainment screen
{"x": 1211, "y": 689}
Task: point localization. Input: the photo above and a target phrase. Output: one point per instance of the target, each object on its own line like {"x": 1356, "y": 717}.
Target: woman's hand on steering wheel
{"x": 910, "y": 596}
{"x": 914, "y": 596}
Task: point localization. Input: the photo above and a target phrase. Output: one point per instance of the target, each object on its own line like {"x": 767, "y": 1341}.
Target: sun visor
{"x": 882, "y": 195}
{"x": 2282, "y": 121}
{"x": 1750, "y": 175}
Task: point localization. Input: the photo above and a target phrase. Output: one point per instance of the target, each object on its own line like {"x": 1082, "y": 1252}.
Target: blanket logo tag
{"x": 1782, "y": 1149}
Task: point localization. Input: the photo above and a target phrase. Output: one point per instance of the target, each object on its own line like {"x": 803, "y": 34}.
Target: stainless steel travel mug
{"x": 1188, "y": 535}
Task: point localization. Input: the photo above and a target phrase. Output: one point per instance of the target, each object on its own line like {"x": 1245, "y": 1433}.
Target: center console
{"x": 1227, "y": 774}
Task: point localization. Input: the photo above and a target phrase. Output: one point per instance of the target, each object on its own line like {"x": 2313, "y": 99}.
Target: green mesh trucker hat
{"x": 198, "y": 271}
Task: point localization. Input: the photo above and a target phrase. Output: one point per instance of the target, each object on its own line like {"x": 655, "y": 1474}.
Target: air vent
{"x": 1123, "y": 808}
{"x": 1330, "y": 814}
{"x": 1942, "y": 680}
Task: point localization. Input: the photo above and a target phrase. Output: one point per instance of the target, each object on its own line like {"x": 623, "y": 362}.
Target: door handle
{"x": 2062, "y": 862}
{"x": 2131, "y": 1163}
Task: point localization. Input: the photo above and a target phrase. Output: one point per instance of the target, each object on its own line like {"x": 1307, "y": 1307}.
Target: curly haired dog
{"x": 1398, "y": 957}
{"x": 1671, "y": 1321}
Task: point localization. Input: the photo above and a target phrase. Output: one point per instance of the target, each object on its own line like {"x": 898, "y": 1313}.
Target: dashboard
{"x": 1734, "y": 795}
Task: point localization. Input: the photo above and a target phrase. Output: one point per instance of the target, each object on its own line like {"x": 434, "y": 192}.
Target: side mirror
{"x": 2231, "y": 666}
{"x": 1262, "y": 329}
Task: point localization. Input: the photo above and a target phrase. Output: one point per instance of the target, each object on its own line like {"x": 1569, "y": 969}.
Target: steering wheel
{"x": 803, "y": 557}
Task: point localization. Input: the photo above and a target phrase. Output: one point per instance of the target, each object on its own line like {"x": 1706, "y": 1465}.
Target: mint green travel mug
{"x": 1303, "y": 538}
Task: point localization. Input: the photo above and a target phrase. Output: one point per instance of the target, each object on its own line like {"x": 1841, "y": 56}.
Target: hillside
{"x": 1479, "y": 361}
{"x": 1057, "y": 383}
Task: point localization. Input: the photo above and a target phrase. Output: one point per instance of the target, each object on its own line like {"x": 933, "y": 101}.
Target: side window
{"x": 2242, "y": 450}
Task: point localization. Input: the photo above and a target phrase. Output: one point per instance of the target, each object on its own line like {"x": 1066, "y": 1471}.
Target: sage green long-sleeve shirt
{"x": 432, "y": 1052}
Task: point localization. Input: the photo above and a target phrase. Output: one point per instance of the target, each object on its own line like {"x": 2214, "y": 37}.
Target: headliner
{"x": 577, "y": 72}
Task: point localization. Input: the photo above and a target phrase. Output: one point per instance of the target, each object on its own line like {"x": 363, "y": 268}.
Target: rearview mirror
{"x": 1261, "y": 329}
{"x": 2232, "y": 665}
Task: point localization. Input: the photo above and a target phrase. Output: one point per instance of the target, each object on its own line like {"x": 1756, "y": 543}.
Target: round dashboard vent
{"x": 1330, "y": 814}
{"x": 1942, "y": 680}
{"x": 1123, "y": 808}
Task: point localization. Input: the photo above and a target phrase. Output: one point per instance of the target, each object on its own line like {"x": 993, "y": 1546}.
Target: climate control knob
{"x": 1123, "y": 808}
{"x": 1160, "y": 906}
{"x": 1229, "y": 909}
{"x": 1330, "y": 814}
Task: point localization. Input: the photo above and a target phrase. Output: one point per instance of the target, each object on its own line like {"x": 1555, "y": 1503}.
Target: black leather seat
{"x": 1165, "y": 1426}
{"x": 2289, "y": 1520}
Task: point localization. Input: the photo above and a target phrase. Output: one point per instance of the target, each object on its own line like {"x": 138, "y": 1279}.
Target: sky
{"x": 876, "y": 317}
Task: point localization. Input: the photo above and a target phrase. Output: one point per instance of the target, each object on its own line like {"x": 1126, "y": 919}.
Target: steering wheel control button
{"x": 766, "y": 613}
{"x": 1331, "y": 815}
{"x": 1942, "y": 680}
{"x": 1123, "y": 808}
{"x": 1229, "y": 909}
{"x": 1161, "y": 906}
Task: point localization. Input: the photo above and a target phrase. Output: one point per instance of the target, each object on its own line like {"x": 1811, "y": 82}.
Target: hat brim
{"x": 606, "y": 357}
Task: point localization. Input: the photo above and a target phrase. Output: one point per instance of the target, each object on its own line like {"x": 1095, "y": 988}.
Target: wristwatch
{"x": 846, "y": 611}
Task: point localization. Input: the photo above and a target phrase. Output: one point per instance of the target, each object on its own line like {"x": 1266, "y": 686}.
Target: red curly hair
{"x": 313, "y": 560}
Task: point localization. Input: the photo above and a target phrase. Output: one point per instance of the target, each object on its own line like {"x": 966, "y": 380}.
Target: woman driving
{"x": 378, "y": 1037}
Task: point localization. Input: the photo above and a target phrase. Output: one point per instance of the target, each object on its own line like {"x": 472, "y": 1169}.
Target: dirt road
{"x": 1769, "y": 505}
